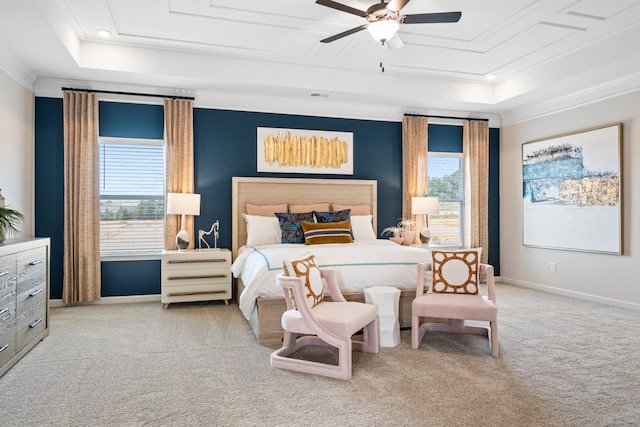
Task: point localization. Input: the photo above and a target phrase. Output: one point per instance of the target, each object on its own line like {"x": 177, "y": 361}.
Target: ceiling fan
{"x": 384, "y": 19}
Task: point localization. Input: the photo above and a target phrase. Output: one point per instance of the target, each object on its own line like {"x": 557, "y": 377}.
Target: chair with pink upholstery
{"x": 310, "y": 321}
{"x": 454, "y": 296}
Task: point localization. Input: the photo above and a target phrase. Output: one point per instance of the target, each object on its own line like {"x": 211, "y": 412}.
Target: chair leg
{"x": 371, "y": 343}
{"x": 494, "y": 339}
{"x": 343, "y": 370}
{"x": 417, "y": 331}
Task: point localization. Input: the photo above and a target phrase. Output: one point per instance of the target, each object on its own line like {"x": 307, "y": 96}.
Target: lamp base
{"x": 425, "y": 236}
{"x": 182, "y": 240}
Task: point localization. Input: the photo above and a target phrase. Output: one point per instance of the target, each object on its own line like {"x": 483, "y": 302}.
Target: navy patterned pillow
{"x": 291, "y": 225}
{"x": 335, "y": 216}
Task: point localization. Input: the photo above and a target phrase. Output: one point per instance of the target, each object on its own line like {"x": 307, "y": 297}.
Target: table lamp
{"x": 183, "y": 204}
{"x": 425, "y": 206}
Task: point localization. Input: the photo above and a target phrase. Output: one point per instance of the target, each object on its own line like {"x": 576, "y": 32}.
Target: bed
{"x": 358, "y": 265}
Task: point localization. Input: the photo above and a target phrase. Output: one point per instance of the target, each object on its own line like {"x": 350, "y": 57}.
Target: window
{"x": 445, "y": 181}
{"x": 131, "y": 195}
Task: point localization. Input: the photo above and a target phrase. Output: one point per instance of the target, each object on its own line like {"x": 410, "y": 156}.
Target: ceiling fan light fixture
{"x": 383, "y": 29}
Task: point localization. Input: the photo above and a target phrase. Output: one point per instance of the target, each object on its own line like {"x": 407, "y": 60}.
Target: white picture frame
{"x": 572, "y": 195}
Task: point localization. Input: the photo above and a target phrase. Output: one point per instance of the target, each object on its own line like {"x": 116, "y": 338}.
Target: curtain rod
{"x": 112, "y": 92}
{"x": 446, "y": 117}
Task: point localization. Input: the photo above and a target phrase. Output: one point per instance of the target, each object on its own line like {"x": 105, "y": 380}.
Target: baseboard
{"x": 573, "y": 294}
{"x": 110, "y": 300}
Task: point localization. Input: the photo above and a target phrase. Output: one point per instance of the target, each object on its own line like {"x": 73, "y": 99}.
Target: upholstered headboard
{"x": 268, "y": 191}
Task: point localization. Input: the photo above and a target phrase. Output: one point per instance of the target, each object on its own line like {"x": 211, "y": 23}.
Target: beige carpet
{"x": 564, "y": 362}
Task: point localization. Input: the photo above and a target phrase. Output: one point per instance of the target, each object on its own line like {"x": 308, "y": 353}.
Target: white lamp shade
{"x": 425, "y": 205}
{"x": 183, "y": 204}
{"x": 383, "y": 29}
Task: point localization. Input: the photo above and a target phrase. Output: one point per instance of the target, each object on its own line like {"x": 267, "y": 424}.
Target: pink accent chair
{"x": 456, "y": 308}
{"x": 329, "y": 324}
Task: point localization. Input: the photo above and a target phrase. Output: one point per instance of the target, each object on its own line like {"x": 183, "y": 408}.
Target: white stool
{"x": 387, "y": 299}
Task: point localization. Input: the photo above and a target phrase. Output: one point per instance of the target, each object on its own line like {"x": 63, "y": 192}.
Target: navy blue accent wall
{"x": 445, "y": 138}
{"x": 130, "y": 278}
{"x": 494, "y": 200}
{"x": 224, "y": 147}
{"x": 49, "y": 183}
{"x": 121, "y": 120}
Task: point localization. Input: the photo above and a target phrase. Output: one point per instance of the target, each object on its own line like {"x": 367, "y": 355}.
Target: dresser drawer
{"x": 7, "y": 310}
{"x": 7, "y": 274}
{"x": 32, "y": 267}
{"x": 28, "y": 297}
{"x": 31, "y": 323}
{"x": 7, "y": 342}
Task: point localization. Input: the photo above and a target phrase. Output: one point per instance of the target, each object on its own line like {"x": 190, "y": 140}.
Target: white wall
{"x": 608, "y": 278}
{"x": 17, "y": 149}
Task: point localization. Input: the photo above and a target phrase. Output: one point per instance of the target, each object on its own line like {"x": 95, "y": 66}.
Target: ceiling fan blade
{"x": 431, "y": 18}
{"x": 344, "y": 34}
{"x": 396, "y": 5}
{"x": 342, "y": 7}
{"x": 394, "y": 43}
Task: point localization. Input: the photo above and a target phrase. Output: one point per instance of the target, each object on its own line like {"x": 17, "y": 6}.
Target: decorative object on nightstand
{"x": 183, "y": 204}
{"x": 215, "y": 227}
{"x": 425, "y": 206}
{"x": 189, "y": 276}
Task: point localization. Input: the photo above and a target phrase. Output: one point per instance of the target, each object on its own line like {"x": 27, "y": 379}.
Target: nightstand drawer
{"x": 183, "y": 278}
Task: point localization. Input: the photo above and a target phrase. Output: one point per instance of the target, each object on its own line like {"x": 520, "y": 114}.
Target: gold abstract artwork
{"x": 314, "y": 151}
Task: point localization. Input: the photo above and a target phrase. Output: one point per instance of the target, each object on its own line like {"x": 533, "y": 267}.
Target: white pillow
{"x": 362, "y": 228}
{"x": 262, "y": 230}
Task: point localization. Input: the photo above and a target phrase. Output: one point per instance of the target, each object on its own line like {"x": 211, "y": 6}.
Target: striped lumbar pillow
{"x": 330, "y": 232}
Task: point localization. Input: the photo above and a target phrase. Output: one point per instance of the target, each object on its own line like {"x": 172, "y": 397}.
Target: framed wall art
{"x": 305, "y": 151}
{"x": 572, "y": 195}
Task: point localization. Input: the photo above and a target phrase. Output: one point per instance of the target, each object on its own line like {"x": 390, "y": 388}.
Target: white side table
{"x": 387, "y": 299}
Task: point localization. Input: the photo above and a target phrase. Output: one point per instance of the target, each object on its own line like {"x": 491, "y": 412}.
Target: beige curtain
{"x": 178, "y": 122}
{"x": 414, "y": 166}
{"x": 475, "y": 148}
{"x": 81, "y": 265}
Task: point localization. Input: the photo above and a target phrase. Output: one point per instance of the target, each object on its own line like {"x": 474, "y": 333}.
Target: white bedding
{"x": 358, "y": 265}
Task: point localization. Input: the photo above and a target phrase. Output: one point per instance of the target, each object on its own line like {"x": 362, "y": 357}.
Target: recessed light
{"x": 490, "y": 77}
{"x": 105, "y": 34}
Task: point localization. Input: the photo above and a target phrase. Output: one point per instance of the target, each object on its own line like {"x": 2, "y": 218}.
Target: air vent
{"x": 320, "y": 95}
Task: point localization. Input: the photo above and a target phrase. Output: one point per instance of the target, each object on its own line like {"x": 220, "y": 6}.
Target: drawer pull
{"x": 3, "y": 311}
{"x": 4, "y": 347}
{"x": 184, "y": 294}
{"x": 33, "y": 294}
{"x": 36, "y": 323}
{"x": 193, "y": 261}
{"x": 208, "y": 276}
{"x": 36, "y": 262}
{"x": 4, "y": 273}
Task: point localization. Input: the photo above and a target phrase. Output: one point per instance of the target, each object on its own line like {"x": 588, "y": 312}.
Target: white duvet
{"x": 358, "y": 265}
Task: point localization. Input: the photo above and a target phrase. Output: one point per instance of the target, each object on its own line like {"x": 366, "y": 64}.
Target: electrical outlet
{"x": 552, "y": 267}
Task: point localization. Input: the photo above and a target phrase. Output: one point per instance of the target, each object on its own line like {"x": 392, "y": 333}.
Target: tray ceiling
{"x": 266, "y": 55}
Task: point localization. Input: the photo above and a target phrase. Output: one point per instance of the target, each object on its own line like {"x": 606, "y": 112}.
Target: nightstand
{"x": 196, "y": 275}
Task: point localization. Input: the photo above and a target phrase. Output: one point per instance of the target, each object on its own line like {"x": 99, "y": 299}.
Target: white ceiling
{"x": 265, "y": 55}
